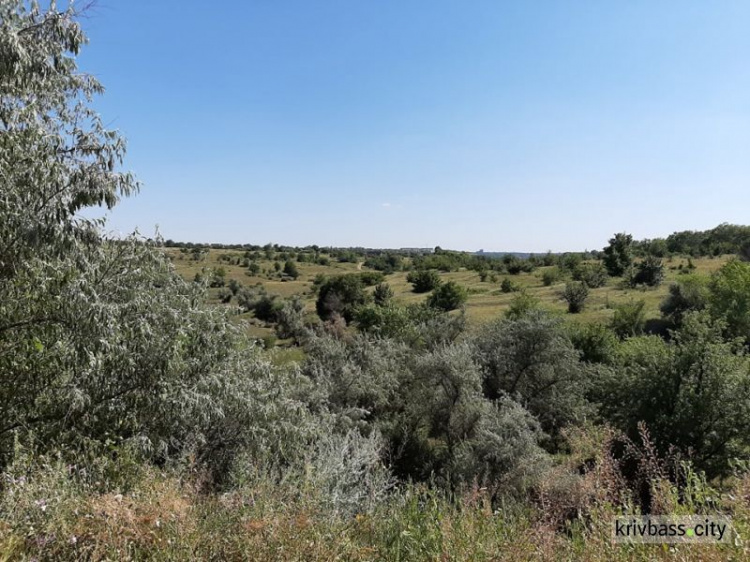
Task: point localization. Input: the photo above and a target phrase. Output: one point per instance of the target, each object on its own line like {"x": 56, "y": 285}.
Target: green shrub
{"x": 234, "y": 286}
{"x": 596, "y": 342}
{"x": 688, "y": 293}
{"x": 508, "y": 286}
{"x": 649, "y": 271}
{"x": 575, "y": 294}
{"x": 730, "y": 297}
{"x": 594, "y": 275}
{"x": 423, "y": 280}
{"x": 290, "y": 269}
{"x": 533, "y": 358}
{"x": 383, "y": 294}
{"x": 678, "y": 387}
{"x": 269, "y": 341}
{"x": 521, "y": 305}
{"x": 448, "y": 296}
{"x": 340, "y": 295}
{"x": 629, "y": 319}
{"x": 618, "y": 255}
{"x": 370, "y": 278}
{"x": 550, "y": 276}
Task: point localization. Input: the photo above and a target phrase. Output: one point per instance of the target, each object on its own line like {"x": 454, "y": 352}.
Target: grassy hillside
{"x": 486, "y": 300}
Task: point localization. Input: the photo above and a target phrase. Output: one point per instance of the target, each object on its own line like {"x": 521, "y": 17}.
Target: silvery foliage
{"x": 493, "y": 443}
{"x": 339, "y": 473}
{"x": 100, "y": 340}
{"x": 347, "y": 471}
{"x": 532, "y": 360}
{"x": 56, "y": 156}
{"x": 358, "y": 379}
{"x": 428, "y": 406}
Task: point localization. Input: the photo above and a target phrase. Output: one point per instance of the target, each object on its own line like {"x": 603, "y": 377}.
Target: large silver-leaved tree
{"x": 101, "y": 342}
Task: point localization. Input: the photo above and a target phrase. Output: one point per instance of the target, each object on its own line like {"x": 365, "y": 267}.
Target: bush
{"x": 594, "y": 275}
{"x": 340, "y": 295}
{"x": 629, "y": 319}
{"x": 290, "y": 269}
{"x": 533, "y": 359}
{"x": 508, "y": 286}
{"x": 269, "y": 341}
{"x": 289, "y": 319}
{"x": 448, "y": 296}
{"x": 521, "y": 305}
{"x": 370, "y": 278}
{"x": 257, "y": 300}
{"x": 225, "y": 295}
{"x": 218, "y": 277}
{"x": 678, "y": 387}
{"x": 575, "y": 294}
{"x": 730, "y": 297}
{"x": 551, "y": 275}
{"x": 234, "y": 286}
{"x": 383, "y": 294}
{"x": 618, "y": 256}
{"x": 423, "y": 280}
{"x": 650, "y": 272}
{"x": 691, "y": 292}
{"x": 596, "y": 342}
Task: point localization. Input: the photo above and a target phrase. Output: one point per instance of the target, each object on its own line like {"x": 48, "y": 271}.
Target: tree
{"x": 448, "y": 296}
{"x": 649, "y": 271}
{"x": 102, "y": 343}
{"x": 575, "y": 294}
{"x": 423, "y": 280}
{"x": 342, "y": 295}
{"x": 618, "y": 256}
{"x": 290, "y": 269}
{"x": 533, "y": 360}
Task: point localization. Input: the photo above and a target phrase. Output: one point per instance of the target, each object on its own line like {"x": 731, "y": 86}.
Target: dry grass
{"x": 486, "y": 302}
{"x": 165, "y": 517}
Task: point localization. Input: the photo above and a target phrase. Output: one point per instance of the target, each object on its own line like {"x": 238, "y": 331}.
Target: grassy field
{"x": 486, "y": 300}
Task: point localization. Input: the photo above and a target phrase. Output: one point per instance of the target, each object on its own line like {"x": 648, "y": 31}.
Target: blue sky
{"x": 505, "y": 125}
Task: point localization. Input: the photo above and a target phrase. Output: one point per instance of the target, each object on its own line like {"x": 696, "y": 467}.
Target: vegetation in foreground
{"x": 139, "y": 421}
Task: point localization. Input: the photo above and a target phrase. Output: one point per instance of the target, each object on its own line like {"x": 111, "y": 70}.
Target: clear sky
{"x": 521, "y": 125}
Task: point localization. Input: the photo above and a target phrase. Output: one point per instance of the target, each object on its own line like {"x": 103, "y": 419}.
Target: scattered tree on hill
{"x": 649, "y": 271}
{"x": 448, "y": 296}
{"x": 340, "y": 295}
{"x": 290, "y": 269}
{"x": 423, "y": 280}
{"x": 618, "y": 256}
{"x": 575, "y": 294}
